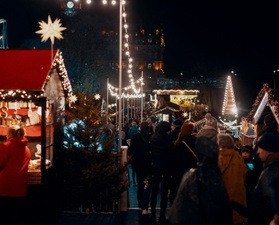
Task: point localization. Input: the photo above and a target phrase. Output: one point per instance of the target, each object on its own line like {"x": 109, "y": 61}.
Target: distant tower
{"x": 229, "y": 105}
{"x": 70, "y": 7}
{"x": 3, "y": 34}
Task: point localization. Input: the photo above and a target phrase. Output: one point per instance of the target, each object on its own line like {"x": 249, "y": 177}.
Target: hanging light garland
{"x": 135, "y": 86}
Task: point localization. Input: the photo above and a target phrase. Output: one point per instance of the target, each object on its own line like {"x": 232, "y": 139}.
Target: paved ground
{"x": 42, "y": 209}
{"x": 130, "y": 217}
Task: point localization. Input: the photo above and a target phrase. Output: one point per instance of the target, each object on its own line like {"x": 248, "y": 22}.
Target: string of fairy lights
{"x": 135, "y": 86}
{"x": 134, "y": 89}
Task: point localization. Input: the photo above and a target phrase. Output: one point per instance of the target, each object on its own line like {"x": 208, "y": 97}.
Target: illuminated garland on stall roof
{"x": 19, "y": 94}
{"x": 274, "y": 105}
{"x": 33, "y": 95}
{"x": 59, "y": 62}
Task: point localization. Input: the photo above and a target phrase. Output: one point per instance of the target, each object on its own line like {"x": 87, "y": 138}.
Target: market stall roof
{"x": 168, "y": 106}
{"x": 26, "y": 73}
{"x": 264, "y": 99}
{"x": 24, "y": 69}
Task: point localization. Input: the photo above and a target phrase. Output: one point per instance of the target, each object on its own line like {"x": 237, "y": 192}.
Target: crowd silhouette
{"x": 204, "y": 176}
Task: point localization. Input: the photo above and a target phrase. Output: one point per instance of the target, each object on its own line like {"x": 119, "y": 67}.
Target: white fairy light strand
{"x": 136, "y": 91}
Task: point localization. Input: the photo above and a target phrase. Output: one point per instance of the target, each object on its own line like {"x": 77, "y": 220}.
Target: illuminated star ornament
{"x": 51, "y": 30}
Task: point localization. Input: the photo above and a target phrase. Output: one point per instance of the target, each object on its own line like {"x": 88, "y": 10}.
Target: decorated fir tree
{"x": 93, "y": 175}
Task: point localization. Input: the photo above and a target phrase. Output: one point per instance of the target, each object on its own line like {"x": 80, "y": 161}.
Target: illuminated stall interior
{"x": 171, "y": 104}
{"x": 33, "y": 88}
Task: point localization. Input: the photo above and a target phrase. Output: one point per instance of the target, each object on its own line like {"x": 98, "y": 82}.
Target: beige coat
{"x": 233, "y": 171}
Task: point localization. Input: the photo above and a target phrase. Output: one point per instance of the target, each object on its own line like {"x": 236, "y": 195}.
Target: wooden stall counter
{"x": 247, "y": 139}
{"x": 34, "y": 177}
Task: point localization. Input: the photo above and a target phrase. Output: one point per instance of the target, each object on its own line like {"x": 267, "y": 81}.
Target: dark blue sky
{"x": 215, "y": 37}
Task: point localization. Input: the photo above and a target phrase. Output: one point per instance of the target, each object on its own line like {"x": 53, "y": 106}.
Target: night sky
{"x": 216, "y": 37}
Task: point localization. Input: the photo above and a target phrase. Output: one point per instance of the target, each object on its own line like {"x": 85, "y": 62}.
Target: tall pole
{"x": 141, "y": 107}
{"x": 123, "y": 111}
{"x": 120, "y": 78}
{"x": 107, "y": 100}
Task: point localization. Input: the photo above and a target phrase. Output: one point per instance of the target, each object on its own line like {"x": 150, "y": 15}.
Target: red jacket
{"x": 14, "y": 160}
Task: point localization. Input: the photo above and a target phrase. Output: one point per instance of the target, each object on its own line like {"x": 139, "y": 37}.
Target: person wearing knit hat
{"x": 210, "y": 129}
{"x": 261, "y": 209}
{"x": 210, "y": 120}
{"x": 267, "y": 144}
{"x": 246, "y": 153}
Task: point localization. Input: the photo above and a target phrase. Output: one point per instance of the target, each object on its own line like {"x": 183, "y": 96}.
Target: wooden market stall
{"x": 265, "y": 103}
{"x": 168, "y": 112}
{"x": 172, "y": 104}
{"x": 33, "y": 90}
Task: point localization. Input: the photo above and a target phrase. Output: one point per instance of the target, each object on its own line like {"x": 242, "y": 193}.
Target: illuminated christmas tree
{"x": 229, "y": 110}
{"x": 229, "y": 105}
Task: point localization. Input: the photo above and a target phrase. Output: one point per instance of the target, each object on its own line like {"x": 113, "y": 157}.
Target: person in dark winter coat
{"x": 140, "y": 160}
{"x": 202, "y": 197}
{"x": 184, "y": 157}
{"x": 275, "y": 200}
{"x": 160, "y": 145}
{"x": 261, "y": 211}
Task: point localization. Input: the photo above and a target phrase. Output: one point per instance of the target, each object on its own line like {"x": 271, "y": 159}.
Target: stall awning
{"x": 24, "y": 69}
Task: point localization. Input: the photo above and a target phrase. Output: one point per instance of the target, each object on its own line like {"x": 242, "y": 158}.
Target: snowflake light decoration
{"x": 51, "y": 30}
{"x": 72, "y": 99}
{"x": 97, "y": 96}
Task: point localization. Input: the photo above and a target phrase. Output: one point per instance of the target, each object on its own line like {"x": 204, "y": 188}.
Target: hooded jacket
{"x": 14, "y": 160}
